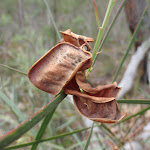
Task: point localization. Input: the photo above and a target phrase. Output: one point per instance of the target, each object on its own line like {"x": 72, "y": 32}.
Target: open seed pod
{"x": 75, "y": 39}
{"x": 58, "y": 66}
{"x": 97, "y": 104}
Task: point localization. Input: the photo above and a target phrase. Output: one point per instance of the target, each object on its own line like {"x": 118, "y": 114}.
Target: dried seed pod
{"x": 97, "y": 104}
{"x": 107, "y": 112}
{"x": 109, "y": 90}
{"x": 58, "y": 66}
{"x": 75, "y": 39}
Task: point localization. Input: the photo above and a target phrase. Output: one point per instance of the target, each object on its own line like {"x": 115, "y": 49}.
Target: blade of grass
{"x": 96, "y": 13}
{"x": 134, "y": 115}
{"x": 43, "y": 128}
{"x": 76, "y": 145}
{"x": 111, "y": 133}
{"x": 67, "y": 123}
{"x": 109, "y": 29}
{"x": 130, "y": 44}
{"x": 102, "y": 29}
{"x": 5, "y": 66}
{"x": 144, "y": 93}
{"x": 45, "y": 140}
{"x": 28, "y": 124}
{"x": 134, "y": 101}
{"x": 13, "y": 107}
{"x": 89, "y": 138}
{"x": 100, "y": 142}
{"x": 98, "y": 41}
{"x": 75, "y": 137}
{"x": 53, "y": 21}
{"x": 15, "y": 110}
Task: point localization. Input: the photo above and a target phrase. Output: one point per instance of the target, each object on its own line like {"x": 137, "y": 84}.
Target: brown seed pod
{"x": 75, "y": 39}
{"x": 107, "y": 112}
{"x": 97, "y": 104}
{"x": 58, "y": 66}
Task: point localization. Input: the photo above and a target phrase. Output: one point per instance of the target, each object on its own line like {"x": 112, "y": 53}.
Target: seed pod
{"x": 97, "y": 104}
{"x": 75, "y": 39}
{"x": 58, "y": 66}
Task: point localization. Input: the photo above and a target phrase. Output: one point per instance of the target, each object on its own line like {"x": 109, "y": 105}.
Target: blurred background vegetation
{"x": 27, "y": 32}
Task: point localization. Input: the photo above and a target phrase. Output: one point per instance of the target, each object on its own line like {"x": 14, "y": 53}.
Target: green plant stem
{"x": 109, "y": 29}
{"x": 28, "y": 124}
{"x": 89, "y": 138}
{"x": 130, "y": 45}
{"x": 53, "y": 21}
{"x": 134, "y": 115}
{"x": 98, "y": 40}
{"x": 111, "y": 133}
{"x": 134, "y": 101}
{"x": 13, "y": 69}
{"x": 47, "y": 139}
{"x": 102, "y": 29}
{"x": 42, "y": 128}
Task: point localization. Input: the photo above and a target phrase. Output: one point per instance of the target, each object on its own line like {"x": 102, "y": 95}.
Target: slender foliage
{"x": 28, "y": 124}
{"x": 42, "y": 128}
{"x": 89, "y": 138}
{"x": 109, "y": 29}
{"x": 52, "y": 18}
{"x": 13, "y": 69}
{"x": 47, "y": 139}
{"x": 130, "y": 44}
{"x": 102, "y": 29}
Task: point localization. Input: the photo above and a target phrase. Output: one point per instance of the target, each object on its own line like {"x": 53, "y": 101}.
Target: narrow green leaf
{"x": 67, "y": 123}
{"x": 111, "y": 133}
{"x": 134, "y": 101}
{"x": 13, "y": 107}
{"x": 5, "y": 66}
{"x": 134, "y": 115}
{"x": 45, "y": 140}
{"x": 109, "y": 29}
{"x": 130, "y": 44}
{"x": 102, "y": 29}
{"x": 52, "y": 18}
{"x": 144, "y": 93}
{"x": 89, "y": 138}
{"x": 21, "y": 117}
{"x": 43, "y": 128}
{"x": 28, "y": 124}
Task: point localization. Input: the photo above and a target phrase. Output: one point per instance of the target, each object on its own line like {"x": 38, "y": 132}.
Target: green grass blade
{"x": 130, "y": 44}
{"x": 74, "y": 146}
{"x": 21, "y": 117}
{"x": 78, "y": 140}
{"x": 42, "y": 128}
{"x": 89, "y": 138}
{"x": 28, "y": 124}
{"x": 67, "y": 123}
{"x": 111, "y": 133}
{"x": 134, "y": 115}
{"x": 5, "y": 66}
{"x": 102, "y": 29}
{"x": 143, "y": 92}
{"x": 13, "y": 107}
{"x": 45, "y": 140}
{"x": 109, "y": 29}
{"x": 52, "y": 18}
{"x": 134, "y": 101}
